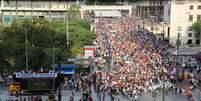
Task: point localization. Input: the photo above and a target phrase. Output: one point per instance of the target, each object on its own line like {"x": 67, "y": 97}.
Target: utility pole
{"x": 67, "y": 32}
{"x": 178, "y": 43}
{"x": 16, "y": 9}
{"x": 50, "y": 12}
{"x": 59, "y": 93}
{"x": 31, "y": 8}
{"x": 163, "y": 63}
{"x": 59, "y": 66}
{"x": 163, "y": 90}
{"x": 26, "y": 42}
{"x": 95, "y": 18}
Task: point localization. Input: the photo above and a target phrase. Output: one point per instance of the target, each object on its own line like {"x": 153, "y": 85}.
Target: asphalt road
{"x": 145, "y": 97}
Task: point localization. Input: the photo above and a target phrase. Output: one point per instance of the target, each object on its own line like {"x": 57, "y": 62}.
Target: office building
{"x": 180, "y": 15}
{"x": 54, "y": 9}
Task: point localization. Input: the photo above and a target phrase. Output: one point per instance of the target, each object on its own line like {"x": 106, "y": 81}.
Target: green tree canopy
{"x": 197, "y": 28}
{"x": 42, "y": 36}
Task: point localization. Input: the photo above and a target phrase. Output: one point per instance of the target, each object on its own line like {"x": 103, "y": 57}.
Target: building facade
{"x": 123, "y": 9}
{"x": 54, "y": 9}
{"x": 180, "y": 15}
{"x": 147, "y": 9}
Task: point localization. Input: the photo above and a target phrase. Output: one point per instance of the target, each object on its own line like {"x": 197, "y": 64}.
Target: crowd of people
{"x": 134, "y": 53}
{"x": 132, "y": 60}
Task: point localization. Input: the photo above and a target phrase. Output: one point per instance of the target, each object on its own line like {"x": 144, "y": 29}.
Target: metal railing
{"x": 21, "y": 98}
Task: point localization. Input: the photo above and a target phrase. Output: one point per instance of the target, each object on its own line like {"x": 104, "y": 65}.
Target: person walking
{"x": 180, "y": 91}
{"x": 1, "y": 81}
{"x": 72, "y": 97}
{"x": 91, "y": 98}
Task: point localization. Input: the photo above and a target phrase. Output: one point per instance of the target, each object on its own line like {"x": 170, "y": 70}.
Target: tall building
{"x": 54, "y": 9}
{"x": 180, "y": 15}
{"x": 147, "y": 9}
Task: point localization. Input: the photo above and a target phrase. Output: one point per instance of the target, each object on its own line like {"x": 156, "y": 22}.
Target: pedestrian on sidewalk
{"x": 104, "y": 95}
{"x": 72, "y": 97}
{"x": 176, "y": 89}
{"x": 180, "y": 91}
{"x": 1, "y": 81}
{"x": 91, "y": 98}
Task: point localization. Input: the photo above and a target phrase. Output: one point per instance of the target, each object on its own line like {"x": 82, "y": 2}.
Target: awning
{"x": 107, "y": 13}
{"x": 35, "y": 75}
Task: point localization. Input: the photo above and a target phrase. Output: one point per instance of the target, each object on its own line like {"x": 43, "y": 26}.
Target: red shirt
{"x": 71, "y": 98}
{"x": 91, "y": 99}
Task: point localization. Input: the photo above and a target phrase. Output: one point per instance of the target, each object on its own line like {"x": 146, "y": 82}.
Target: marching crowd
{"x": 137, "y": 58}
{"x": 135, "y": 55}
{"x": 130, "y": 61}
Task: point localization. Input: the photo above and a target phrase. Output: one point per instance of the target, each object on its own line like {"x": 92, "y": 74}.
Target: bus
{"x": 33, "y": 83}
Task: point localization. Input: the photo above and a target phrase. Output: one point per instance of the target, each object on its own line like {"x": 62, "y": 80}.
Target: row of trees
{"x": 45, "y": 42}
{"x": 197, "y": 28}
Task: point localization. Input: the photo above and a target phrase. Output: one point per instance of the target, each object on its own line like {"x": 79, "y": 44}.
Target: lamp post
{"x": 31, "y": 8}
{"x": 163, "y": 90}
{"x": 163, "y": 62}
{"x": 16, "y": 9}
{"x": 50, "y": 12}
{"x": 26, "y": 27}
{"x": 59, "y": 56}
{"x": 59, "y": 93}
{"x": 67, "y": 31}
{"x": 178, "y": 43}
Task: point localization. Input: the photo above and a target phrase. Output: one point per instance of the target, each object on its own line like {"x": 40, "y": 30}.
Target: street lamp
{"x": 31, "y": 8}
{"x": 16, "y": 9}
{"x": 26, "y": 27}
{"x": 178, "y": 43}
{"x": 50, "y": 12}
{"x": 59, "y": 56}
{"x": 163, "y": 56}
{"x": 67, "y": 31}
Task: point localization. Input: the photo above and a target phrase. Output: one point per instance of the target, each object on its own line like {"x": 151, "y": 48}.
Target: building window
{"x": 178, "y": 28}
{"x": 191, "y": 7}
{"x": 180, "y": 2}
{"x": 197, "y": 41}
{"x": 145, "y": 9}
{"x": 189, "y": 41}
{"x": 198, "y": 17}
{"x": 190, "y": 34}
{"x": 199, "y": 7}
{"x": 190, "y": 29}
{"x": 190, "y": 18}
{"x": 41, "y": 17}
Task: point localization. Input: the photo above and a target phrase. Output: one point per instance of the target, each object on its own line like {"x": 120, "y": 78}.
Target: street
{"x": 145, "y": 97}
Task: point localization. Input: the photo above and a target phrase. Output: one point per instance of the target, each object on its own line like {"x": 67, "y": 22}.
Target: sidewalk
{"x": 170, "y": 97}
{"x": 197, "y": 94}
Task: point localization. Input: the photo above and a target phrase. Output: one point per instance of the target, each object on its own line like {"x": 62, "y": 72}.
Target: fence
{"x": 21, "y": 98}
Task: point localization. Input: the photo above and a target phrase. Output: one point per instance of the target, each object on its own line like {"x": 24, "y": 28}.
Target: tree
{"x": 74, "y": 11}
{"x": 42, "y": 37}
{"x": 197, "y": 28}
